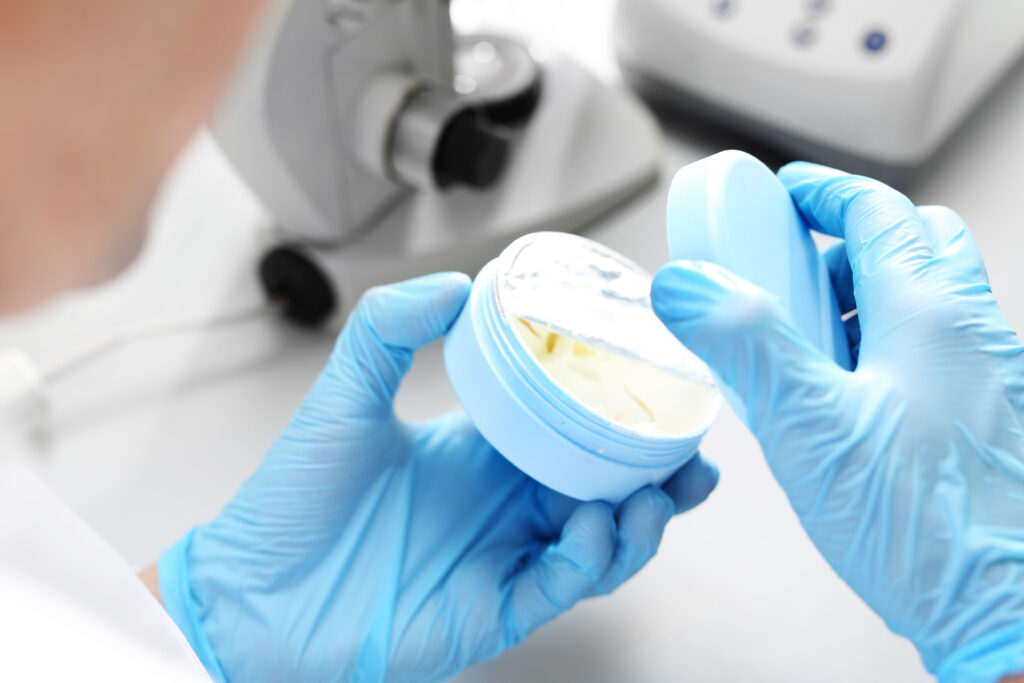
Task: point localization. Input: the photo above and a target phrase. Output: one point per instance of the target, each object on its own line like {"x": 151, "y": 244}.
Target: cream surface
{"x": 630, "y": 392}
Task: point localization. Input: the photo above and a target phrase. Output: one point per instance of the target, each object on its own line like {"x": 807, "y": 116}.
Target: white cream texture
{"x": 632, "y": 393}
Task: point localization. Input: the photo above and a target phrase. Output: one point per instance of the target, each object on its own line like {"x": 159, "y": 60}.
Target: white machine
{"x": 385, "y": 146}
{"x": 874, "y": 86}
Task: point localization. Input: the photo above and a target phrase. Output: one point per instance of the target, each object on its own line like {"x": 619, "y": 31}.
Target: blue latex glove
{"x": 908, "y": 472}
{"x": 371, "y": 549}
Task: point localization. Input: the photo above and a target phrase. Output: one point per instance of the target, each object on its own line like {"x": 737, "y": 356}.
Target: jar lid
{"x": 732, "y": 210}
{"x": 587, "y": 292}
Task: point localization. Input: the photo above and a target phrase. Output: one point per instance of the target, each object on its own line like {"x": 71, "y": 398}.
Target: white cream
{"x": 630, "y": 392}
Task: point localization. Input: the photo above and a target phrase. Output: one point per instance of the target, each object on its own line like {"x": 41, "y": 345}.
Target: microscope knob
{"x": 470, "y": 152}
{"x": 290, "y": 276}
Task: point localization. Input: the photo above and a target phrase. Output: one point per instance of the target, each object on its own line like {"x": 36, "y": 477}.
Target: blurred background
{"x": 580, "y": 112}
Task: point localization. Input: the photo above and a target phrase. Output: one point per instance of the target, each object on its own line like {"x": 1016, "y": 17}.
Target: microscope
{"x": 386, "y": 146}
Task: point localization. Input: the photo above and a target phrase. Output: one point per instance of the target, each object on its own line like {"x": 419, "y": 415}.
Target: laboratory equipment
{"x": 386, "y": 146}
{"x": 544, "y": 425}
{"x": 871, "y": 86}
{"x": 908, "y": 473}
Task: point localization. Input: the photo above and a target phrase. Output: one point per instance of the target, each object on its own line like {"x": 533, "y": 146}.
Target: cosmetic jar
{"x": 549, "y": 325}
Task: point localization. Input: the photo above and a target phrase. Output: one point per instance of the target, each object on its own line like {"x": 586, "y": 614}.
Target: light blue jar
{"x": 587, "y": 292}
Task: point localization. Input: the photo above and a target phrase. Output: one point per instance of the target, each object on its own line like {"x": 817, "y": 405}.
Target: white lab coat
{"x": 71, "y": 609}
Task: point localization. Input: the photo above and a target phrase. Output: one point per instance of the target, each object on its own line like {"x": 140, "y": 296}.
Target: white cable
{"x": 120, "y": 338}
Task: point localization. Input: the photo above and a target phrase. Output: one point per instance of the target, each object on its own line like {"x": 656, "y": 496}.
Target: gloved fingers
{"x": 376, "y": 347}
{"x": 641, "y": 521}
{"x": 747, "y": 340}
{"x": 841, "y": 275}
{"x": 554, "y": 508}
{"x": 448, "y": 434}
{"x": 954, "y": 243}
{"x": 687, "y": 489}
{"x": 564, "y": 573}
{"x": 692, "y": 484}
{"x": 853, "y": 335}
{"x": 641, "y": 518}
{"x": 884, "y": 235}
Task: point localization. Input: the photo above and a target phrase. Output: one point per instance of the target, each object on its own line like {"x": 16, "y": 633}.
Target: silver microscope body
{"x": 385, "y": 146}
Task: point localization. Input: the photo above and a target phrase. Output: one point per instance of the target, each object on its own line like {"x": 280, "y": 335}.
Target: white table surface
{"x": 156, "y": 438}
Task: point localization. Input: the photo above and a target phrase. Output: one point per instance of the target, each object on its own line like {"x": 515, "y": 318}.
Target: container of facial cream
{"x": 561, "y": 364}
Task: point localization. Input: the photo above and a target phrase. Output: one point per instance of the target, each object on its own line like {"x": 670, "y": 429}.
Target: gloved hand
{"x": 907, "y": 473}
{"x": 371, "y": 549}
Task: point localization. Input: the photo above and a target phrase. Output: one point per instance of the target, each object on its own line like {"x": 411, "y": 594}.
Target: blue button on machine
{"x": 723, "y": 8}
{"x": 875, "y": 41}
{"x": 819, "y": 6}
{"x": 803, "y": 35}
